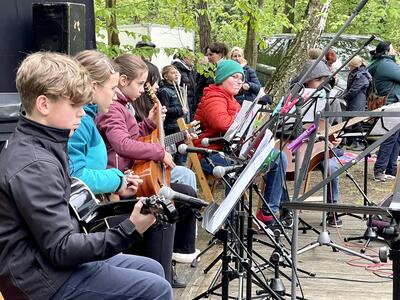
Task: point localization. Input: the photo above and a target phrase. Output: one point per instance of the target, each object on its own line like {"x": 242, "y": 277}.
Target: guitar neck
{"x": 352, "y": 121}
{"x": 174, "y": 138}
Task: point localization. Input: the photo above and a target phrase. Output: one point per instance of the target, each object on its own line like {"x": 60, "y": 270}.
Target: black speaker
{"x": 59, "y": 27}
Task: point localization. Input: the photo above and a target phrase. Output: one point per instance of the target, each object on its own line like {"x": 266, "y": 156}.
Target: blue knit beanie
{"x": 227, "y": 68}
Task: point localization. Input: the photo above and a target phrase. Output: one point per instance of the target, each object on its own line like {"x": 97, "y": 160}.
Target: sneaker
{"x": 357, "y": 147}
{"x": 334, "y": 222}
{"x": 379, "y": 177}
{"x": 389, "y": 177}
{"x": 268, "y": 220}
{"x": 185, "y": 258}
{"x": 287, "y": 218}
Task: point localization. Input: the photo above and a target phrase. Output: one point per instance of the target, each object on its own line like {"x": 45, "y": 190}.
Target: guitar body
{"x": 151, "y": 172}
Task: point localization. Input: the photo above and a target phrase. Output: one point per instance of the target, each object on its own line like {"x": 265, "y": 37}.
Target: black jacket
{"x": 168, "y": 97}
{"x": 188, "y": 78}
{"x": 356, "y": 91}
{"x": 40, "y": 243}
{"x": 251, "y": 78}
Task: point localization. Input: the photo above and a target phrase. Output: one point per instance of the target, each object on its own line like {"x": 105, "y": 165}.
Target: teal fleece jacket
{"x": 88, "y": 156}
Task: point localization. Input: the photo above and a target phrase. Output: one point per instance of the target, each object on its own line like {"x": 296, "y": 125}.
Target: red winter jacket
{"x": 216, "y": 112}
{"x": 120, "y": 132}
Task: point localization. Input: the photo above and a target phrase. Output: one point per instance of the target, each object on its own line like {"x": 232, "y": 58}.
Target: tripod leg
{"x": 212, "y": 263}
{"x": 349, "y": 251}
{"x": 210, "y": 245}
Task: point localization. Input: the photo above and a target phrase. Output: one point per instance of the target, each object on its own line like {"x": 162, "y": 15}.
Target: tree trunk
{"x": 251, "y": 49}
{"x": 289, "y": 12}
{"x": 204, "y": 26}
{"x": 112, "y": 29}
{"x": 296, "y": 56}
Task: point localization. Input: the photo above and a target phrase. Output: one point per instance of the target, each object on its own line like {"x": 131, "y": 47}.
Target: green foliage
{"x": 377, "y": 17}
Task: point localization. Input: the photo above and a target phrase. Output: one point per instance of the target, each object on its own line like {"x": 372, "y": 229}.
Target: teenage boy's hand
{"x": 142, "y": 222}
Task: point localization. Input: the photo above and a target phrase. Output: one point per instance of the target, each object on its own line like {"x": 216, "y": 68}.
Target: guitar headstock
{"x": 150, "y": 92}
{"x": 163, "y": 209}
{"x": 194, "y": 127}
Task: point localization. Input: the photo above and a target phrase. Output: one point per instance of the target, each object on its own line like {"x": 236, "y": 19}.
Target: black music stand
{"x": 215, "y": 216}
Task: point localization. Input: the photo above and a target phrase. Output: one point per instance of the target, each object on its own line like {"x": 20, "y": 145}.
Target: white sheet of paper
{"x": 245, "y": 178}
{"x": 243, "y": 118}
{"x": 387, "y": 123}
{"x": 309, "y": 113}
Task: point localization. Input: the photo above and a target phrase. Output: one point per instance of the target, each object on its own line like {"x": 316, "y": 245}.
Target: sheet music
{"x": 386, "y": 123}
{"x": 215, "y": 220}
{"x": 242, "y": 120}
{"x": 311, "y": 107}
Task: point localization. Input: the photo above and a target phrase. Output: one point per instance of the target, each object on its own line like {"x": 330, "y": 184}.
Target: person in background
{"x": 43, "y": 254}
{"x": 144, "y": 104}
{"x": 314, "y": 53}
{"x": 184, "y": 62}
{"x": 313, "y": 80}
{"x": 355, "y": 94}
{"x": 251, "y": 85}
{"x": 216, "y": 52}
{"x": 171, "y": 96}
{"x": 386, "y": 76}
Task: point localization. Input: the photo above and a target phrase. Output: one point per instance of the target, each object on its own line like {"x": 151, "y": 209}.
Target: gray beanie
{"x": 320, "y": 70}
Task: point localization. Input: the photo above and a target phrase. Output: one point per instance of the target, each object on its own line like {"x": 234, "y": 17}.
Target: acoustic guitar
{"x": 154, "y": 174}
{"x": 93, "y": 215}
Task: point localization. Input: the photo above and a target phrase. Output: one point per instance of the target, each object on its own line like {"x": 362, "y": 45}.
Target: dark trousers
{"x": 184, "y": 241}
{"x": 386, "y": 160}
{"x": 159, "y": 244}
{"x": 122, "y": 276}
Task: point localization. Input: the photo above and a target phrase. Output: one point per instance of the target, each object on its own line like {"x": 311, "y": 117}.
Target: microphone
{"x": 184, "y": 149}
{"x": 207, "y": 141}
{"x": 170, "y": 194}
{"x": 220, "y": 171}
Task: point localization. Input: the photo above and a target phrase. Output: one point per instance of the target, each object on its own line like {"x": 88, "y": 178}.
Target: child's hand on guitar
{"x": 168, "y": 160}
{"x": 153, "y": 114}
{"x": 142, "y": 222}
{"x": 130, "y": 184}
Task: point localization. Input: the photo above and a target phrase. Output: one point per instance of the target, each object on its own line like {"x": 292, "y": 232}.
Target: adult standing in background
{"x": 355, "y": 94}
{"x": 251, "y": 85}
{"x": 215, "y": 53}
{"x": 386, "y": 76}
{"x": 184, "y": 62}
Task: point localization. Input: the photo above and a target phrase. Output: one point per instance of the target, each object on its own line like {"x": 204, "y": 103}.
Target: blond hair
{"x": 357, "y": 62}
{"x": 52, "y": 75}
{"x": 131, "y": 66}
{"x": 100, "y": 67}
{"x": 314, "y": 53}
{"x": 166, "y": 69}
{"x": 240, "y": 50}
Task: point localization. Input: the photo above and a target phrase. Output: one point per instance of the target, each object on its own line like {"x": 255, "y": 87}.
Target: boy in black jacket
{"x": 42, "y": 253}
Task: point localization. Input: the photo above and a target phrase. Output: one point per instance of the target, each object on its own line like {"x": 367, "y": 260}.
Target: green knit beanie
{"x": 227, "y": 68}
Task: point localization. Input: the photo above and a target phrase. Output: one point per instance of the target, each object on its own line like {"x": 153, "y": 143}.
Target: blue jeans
{"x": 122, "y": 277}
{"x": 183, "y": 175}
{"x": 333, "y": 186}
{"x": 274, "y": 184}
{"x": 387, "y": 155}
